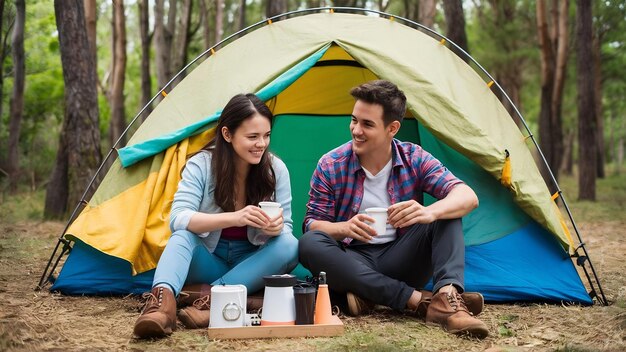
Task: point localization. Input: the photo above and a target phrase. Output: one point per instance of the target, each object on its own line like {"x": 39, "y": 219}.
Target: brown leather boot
{"x": 192, "y": 292}
{"x": 158, "y": 318}
{"x": 449, "y": 311}
{"x": 474, "y": 301}
{"x": 423, "y": 304}
{"x": 357, "y": 305}
{"x": 197, "y": 315}
{"x": 254, "y": 303}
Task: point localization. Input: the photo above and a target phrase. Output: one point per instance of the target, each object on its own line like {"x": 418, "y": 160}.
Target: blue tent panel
{"x": 90, "y": 272}
{"x": 87, "y": 271}
{"x": 527, "y": 265}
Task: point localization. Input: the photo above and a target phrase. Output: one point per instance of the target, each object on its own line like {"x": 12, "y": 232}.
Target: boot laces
{"x": 457, "y": 303}
{"x": 152, "y": 302}
{"x": 203, "y": 303}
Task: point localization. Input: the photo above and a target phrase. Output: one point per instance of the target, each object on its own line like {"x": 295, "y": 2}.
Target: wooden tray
{"x": 278, "y": 331}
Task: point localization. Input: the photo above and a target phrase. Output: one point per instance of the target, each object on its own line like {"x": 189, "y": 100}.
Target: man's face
{"x": 368, "y": 130}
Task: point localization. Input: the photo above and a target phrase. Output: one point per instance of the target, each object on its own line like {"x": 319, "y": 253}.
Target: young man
{"x": 376, "y": 170}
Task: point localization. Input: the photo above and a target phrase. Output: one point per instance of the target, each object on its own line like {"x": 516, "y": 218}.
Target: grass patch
{"x": 505, "y": 326}
{"x": 22, "y": 207}
{"x": 610, "y": 204}
{"x": 571, "y": 348}
{"x": 15, "y": 247}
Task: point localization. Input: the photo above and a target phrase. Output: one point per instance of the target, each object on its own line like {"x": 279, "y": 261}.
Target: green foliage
{"x": 610, "y": 26}
{"x": 43, "y": 95}
{"x": 497, "y": 43}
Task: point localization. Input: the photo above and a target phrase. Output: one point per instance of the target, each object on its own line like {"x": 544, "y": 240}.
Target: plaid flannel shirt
{"x": 337, "y": 182}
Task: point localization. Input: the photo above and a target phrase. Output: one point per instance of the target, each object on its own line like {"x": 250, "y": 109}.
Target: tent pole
{"x": 308, "y": 11}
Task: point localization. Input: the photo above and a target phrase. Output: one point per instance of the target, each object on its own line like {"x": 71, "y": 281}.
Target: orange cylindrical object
{"x": 323, "y": 311}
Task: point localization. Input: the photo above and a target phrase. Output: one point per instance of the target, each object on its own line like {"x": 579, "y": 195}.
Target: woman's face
{"x": 251, "y": 139}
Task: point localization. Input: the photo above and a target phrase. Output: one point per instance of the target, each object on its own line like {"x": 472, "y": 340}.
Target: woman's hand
{"x": 253, "y": 216}
{"x": 276, "y": 225}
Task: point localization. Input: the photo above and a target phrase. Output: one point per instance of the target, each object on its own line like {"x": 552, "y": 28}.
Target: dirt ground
{"x": 40, "y": 321}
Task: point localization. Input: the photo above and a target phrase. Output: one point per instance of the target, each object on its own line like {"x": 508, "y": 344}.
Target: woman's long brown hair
{"x": 261, "y": 180}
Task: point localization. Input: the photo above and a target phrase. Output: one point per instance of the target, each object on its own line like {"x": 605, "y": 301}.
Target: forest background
{"x": 567, "y": 78}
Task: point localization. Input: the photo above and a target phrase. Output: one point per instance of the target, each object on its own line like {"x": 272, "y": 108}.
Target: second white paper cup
{"x": 272, "y": 209}
{"x": 380, "y": 219}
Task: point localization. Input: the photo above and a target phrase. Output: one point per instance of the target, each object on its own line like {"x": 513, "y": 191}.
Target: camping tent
{"x": 517, "y": 244}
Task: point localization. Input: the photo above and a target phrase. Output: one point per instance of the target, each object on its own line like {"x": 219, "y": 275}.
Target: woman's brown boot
{"x": 197, "y": 315}
{"x": 158, "y": 318}
{"x": 190, "y": 293}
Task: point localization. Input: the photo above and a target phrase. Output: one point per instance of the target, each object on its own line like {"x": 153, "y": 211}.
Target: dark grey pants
{"x": 387, "y": 274}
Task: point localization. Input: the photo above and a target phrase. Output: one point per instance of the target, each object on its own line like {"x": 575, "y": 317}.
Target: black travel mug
{"x": 304, "y": 295}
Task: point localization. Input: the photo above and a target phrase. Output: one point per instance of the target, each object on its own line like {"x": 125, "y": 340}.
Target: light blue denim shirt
{"x": 196, "y": 194}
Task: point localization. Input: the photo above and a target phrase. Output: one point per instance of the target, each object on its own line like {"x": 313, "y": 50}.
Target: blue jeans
{"x": 186, "y": 260}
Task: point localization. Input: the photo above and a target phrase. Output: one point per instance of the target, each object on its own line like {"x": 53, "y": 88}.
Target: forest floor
{"x": 40, "y": 321}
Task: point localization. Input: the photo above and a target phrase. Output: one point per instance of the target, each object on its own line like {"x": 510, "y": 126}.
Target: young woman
{"x": 219, "y": 234}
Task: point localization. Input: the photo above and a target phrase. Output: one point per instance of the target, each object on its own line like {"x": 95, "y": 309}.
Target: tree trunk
{"x": 162, "y": 44}
{"x": 117, "y": 124}
{"x": 241, "y": 21}
{"x": 587, "y": 143}
{"x": 382, "y": 5}
{"x": 276, "y": 7}
{"x": 219, "y": 20}
{"x": 411, "y": 10}
{"x": 597, "y": 66}
{"x": 7, "y": 21}
{"x": 17, "y": 97}
{"x": 2, "y": 56}
{"x": 90, "y": 21}
{"x": 336, "y": 3}
{"x": 79, "y": 155}
{"x": 146, "y": 80}
{"x": 567, "y": 164}
{"x": 179, "y": 58}
{"x": 205, "y": 19}
{"x": 427, "y": 11}
{"x": 311, "y": 4}
{"x": 553, "y": 44}
{"x": 455, "y": 22}
{"x": 620, "y": 155}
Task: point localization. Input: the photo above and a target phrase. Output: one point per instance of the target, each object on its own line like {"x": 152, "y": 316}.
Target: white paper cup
{"x": 272, "y": 209}
{"x": 380, "y": 219}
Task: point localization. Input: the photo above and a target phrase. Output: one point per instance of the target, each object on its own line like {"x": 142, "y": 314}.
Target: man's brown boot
{"x": 474, "y": 301}
{"x": 357, "y": 305}
{"x": 158, "y": 318}
{"x": 449, "y": 311}
{"x": 197, "y": 315}
{"x": 192, "y": 292}
{"x": 423, "y": 304}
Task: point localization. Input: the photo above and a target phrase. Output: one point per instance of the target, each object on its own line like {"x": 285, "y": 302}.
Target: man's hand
{"x": 408, "y": 213}
{"x": 276, "y": 225}
{"x": 358, "y": 228}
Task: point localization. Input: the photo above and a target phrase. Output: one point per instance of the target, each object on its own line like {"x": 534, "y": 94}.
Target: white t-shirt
{"x": 375, "y": 195}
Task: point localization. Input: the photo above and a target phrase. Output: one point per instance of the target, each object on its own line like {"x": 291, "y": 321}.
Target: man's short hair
{"x": 383, "y": 93}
